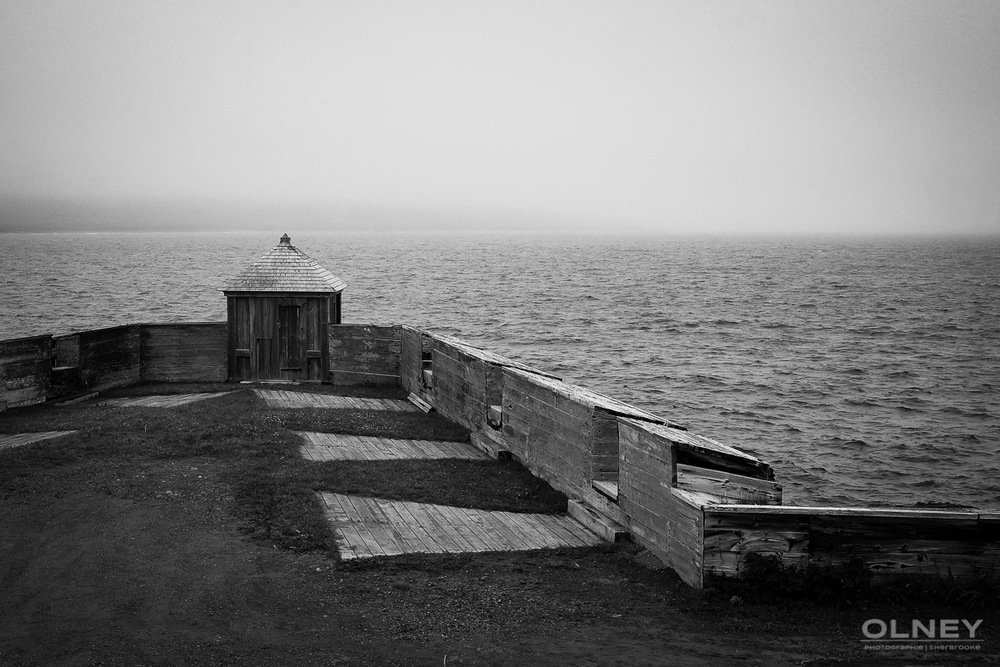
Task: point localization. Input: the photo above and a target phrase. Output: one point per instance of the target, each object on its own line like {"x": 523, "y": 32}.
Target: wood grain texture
{"x": 25, "y": 371}
{"x": 728, "y": 487}
{"x": 189, "y": 352}
{"x": 281, "y": 398}
{"x": 169, "y": 401}
{"x": 364, "y": 353}
{"x": 367, "y": 527}
{"x": 110, "y": 357}
{"x": 8, "y": 441}
{"x": 340, "y": 447}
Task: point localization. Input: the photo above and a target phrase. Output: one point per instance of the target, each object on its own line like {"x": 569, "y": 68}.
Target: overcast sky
{"x": 866, "y": 116}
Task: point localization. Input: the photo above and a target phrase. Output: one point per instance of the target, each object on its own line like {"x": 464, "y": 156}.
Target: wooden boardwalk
{"x": 280, "y": 398}
{"x": 8, "y": 441}
{"x": 341, "y": 447}
{"x": 368, "y": 527}
{"x": 170, "y": 401}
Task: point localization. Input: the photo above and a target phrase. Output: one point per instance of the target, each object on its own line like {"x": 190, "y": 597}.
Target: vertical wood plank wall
{"x": 279, "y": 337}
{"x": 411, "y": 359}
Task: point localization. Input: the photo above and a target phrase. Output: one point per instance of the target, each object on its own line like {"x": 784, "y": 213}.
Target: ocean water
{"x": 866, "y": 372}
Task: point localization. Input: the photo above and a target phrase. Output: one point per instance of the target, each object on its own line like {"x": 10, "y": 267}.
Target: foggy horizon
{"x": 772, "y": 117}
{"x": 178, "y": 216}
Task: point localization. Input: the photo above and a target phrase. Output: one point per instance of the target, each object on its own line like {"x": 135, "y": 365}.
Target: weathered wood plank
{"x": 875, "y": 534}
{"x": 339, "y": 446}
{"x": 293, "y": 400}
{"x": 166, "y": 401}
{"x": 844, "y": 511}
{"x": 8, "y": 441}
{"x": 532, "y": 530}
{"x": 726, "y": 542}
{"x": 413, "y": 538}
{"x": 434, "y": 526}
{"x": 727, "y": 486}
{"x": 371, "y": 526}
{"x": 457, "y": 522}
{"x": 419, "y": 528}
{"x": 346, "y": 531}
{"x": 910, "y": 564}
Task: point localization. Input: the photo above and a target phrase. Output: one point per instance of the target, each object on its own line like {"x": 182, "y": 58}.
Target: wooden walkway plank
{"x": 563, "y": 529}
{"x": 421, "y": 514}
{"x": 531, "y": 539}
{"x": 279, "y": 398}
{"x": 385, "y": 532}
{"x": 160, "y": 401}
{"x": 413, "y": 541}
{"x": 490, "y": 522}
{"x": 20, "y": 439}
{"x": 531, "y": 530}
{"x": 422, "y": 449}
{"x": 356, "y": 530}
{"x": 463, "y": 450}
{"x": 378, "y": 526}
{"x": 311, "y": 450}
{"x": 368, "y": 527}
{"x": 340, "y": 446}
{"x": 553, "y": 527}
{"x": 366, "y": 524}
{"x": 487, "y": 524}
{"x": 364, "y": 452}
{"x": 403, "y": 511}
{"x": 444, "y": 534}
{"x": 345, "y": 532}
{"x": 457, "y": 523}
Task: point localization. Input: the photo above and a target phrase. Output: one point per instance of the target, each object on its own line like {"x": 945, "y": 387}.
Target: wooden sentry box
{"x": 279, "y": 312}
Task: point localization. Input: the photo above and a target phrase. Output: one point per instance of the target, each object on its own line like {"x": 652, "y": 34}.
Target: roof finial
{"x": 285, "y": 240}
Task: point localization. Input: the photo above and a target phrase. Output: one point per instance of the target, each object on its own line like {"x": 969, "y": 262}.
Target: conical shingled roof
{"x": 285, "y": 269}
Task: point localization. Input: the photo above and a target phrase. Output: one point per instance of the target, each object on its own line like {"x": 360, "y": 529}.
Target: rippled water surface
{"x": 865, "y": 372}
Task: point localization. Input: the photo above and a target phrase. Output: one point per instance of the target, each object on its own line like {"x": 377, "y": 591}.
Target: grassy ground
{"x": 191, "y": 536}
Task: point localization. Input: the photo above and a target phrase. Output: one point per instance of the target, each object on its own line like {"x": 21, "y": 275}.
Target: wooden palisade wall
{"x": 179, "y": 352}
{"x": 889, "y": 542}
{"x": 364, "y": 354}
{"x": 698, "y": 505}
{"x": 109, "y": 357}
{"x": 42, "y": 367}
{"x": 25, "y": 371}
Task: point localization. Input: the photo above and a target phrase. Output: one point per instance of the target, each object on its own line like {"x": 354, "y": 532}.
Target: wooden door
{"x": 290, "y": 343}
{"x": 263, "y": 367}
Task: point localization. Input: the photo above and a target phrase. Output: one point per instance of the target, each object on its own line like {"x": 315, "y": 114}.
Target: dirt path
{"x": 93, "y": 579}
